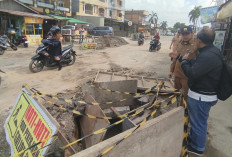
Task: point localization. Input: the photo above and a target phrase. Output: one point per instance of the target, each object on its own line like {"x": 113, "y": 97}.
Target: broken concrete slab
{"x": 160, "y": 137}
{"x": 102, "y": 96}
{"x": 144, "y": 99}
{"x": 139, "y": 119}
{"x": 144, "y": 83}
{"x": 127, "y": 124}
{"x": 121, "y": 110}
{"x": 89, "y": 125}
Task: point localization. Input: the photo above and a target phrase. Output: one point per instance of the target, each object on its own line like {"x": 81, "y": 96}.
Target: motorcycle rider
{"x": 157, "y": 38}
{"x": 56, "y": 49}
{"x": 141, "y": 36}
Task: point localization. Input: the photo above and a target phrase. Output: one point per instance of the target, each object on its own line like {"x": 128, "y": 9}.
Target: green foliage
{"x": 153, "y": 18}
{"x": 164, "y": 25}
{"x": 178, "y": 25}
{"x": 173, "y": 30}
{"x": 194, "y": 15}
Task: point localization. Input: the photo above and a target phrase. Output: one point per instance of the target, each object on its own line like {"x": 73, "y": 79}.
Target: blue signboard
{"x": 207, "y": 14}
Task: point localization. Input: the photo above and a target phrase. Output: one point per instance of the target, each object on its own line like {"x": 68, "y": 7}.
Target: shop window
{"x": 33, "y": 29}
{"x": 120, "y": 3}
{"x": 38, "y": 29}
{"x": 29, "y": 29}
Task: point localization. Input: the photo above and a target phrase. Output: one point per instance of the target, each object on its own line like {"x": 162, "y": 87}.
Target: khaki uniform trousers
{"x": 182, "y": 84}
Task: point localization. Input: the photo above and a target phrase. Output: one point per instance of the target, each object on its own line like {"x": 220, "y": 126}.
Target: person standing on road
{"x": 203, "y": 74}
{"x": 186, "y": 45}
{"x": 81, "y": 32}
{"x": 175, "y": 41}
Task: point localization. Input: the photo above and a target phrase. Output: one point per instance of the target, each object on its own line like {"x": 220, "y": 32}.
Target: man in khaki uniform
{"x": 175, "y": 41}
{"x": 186, "y": 46}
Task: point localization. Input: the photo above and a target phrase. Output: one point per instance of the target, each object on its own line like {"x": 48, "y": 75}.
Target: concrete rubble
{"x": 103, "y": 90}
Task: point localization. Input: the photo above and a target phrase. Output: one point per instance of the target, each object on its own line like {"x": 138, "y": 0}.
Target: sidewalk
{"x": 220, "y": 130}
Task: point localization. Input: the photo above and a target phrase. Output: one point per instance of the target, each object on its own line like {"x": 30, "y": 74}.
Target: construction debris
{"x": 108, "y": 41}
{"x": 90, "y": 125}
{"x": 101, "y": 104}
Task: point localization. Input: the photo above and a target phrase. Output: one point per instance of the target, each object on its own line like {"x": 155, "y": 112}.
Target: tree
{"x": 153, "y": 19}
{"x": 164, "y": 25}
{"x": 194, "y": 15}
{"x": 178, "y": 25}
{"x": 173, "y": 30}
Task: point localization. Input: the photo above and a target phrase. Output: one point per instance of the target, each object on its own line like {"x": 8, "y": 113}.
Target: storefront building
{"x": 25, "y": 24}
{"x": 223, "y": 26}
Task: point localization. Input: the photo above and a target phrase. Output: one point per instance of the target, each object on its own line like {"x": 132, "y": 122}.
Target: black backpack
{"x": 225, "y": 85}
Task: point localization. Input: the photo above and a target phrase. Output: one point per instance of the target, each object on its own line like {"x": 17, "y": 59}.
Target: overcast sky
{"x": 171, "y": 11}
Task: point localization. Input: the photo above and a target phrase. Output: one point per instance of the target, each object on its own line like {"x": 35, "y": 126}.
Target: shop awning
{"x": 69, "y": 19}
{"x": 25, "y": 14}
{"x": 225, "y": 11}
{"x": 60, "y": 17}
{"x": 77, "y": 21}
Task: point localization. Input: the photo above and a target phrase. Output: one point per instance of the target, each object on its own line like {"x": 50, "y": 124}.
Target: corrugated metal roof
{"x": 25, "y": 14}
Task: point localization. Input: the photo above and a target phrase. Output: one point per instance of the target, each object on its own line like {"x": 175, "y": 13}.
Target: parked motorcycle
{"x": 22, "y": 40}
{"x": 43, "y": 58}
{"x": 3, "y": 46}
{"x": 140, "y": 41}
{"x": 4, "y": 43}
{"x": 154, "y": 45}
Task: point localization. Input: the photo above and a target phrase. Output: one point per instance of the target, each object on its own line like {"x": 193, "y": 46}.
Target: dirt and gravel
{"x": 129, "y": 58}
{"x": 107, "y": 41}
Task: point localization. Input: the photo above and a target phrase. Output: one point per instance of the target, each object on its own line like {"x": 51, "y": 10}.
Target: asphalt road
{"x": 131, "y": 56}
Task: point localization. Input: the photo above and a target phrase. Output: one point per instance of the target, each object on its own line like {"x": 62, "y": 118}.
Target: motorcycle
{"x": 22, "y": 40}
{"x": 43, "y": 58}
{"x": 3, "y": 46}
{"x": 4, "y": 43}
{"x": 154, "y": 45}
{"x": 140, "y": 41}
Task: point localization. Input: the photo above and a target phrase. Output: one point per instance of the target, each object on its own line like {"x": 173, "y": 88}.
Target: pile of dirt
{"x": 108, "y": 41}
{"x": 117, "y": 69}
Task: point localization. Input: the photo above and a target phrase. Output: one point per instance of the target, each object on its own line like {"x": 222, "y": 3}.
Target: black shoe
{"x": 59, "y": 68}
{"x": 191, "y": 150}
{"x": 189, "y": 139}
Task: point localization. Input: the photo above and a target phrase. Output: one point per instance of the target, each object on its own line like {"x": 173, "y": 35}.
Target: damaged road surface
{"x": 100, "y": 110}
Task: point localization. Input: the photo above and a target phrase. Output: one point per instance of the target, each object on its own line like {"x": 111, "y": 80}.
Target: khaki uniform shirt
{"x": 175, "y": 42}
{"x": 182, "y": 48}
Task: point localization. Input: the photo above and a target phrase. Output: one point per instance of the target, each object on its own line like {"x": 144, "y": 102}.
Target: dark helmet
{"x": 54, "y": 30}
